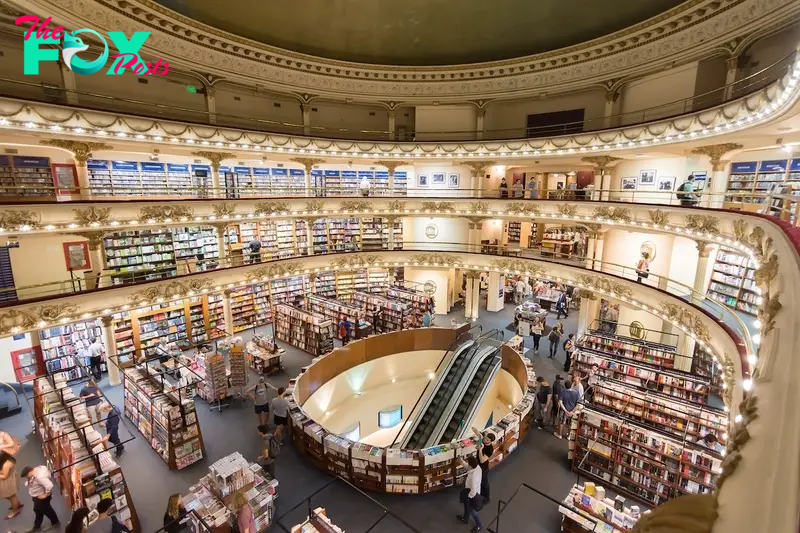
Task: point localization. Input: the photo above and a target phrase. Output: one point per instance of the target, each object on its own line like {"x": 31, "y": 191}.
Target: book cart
{"x": 164, "y": 414}
{"x": 81, "y": 464}
{"x": 210, "y": 498}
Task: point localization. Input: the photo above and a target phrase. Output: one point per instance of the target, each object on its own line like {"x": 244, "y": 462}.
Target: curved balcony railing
{"x": 104, "y": 282}
{"x": 105, "y": 102}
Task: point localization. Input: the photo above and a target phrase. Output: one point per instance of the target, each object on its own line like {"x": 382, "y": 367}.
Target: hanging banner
{"x": 26, "y": 161}
{"x": 125, "y": 165}
{"x": 176, "y": 167}
{"x": 749, "y": 166}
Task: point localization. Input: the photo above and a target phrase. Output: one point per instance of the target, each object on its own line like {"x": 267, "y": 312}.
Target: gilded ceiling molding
{"x": 478, "y": 167}
{"x": 94, "y": 239}
{"x": 216, "y": 158}
{"x": 396, "y": 205}
{"x": 687, "y": 32}
{"x": 271, "y": 208}
{"x": 614, "y": 214}
{"x": 392, "y": 165}
{"x": 361, "y": 261}
{"x": 715, "y": 153}
{"x": 479, "y": 207}
{"x": 688, "y": 319}
{"x": 172, "y": 289}
{"x": 437, "y": 207}
{"x": 166, "y": 213}
{"x": 15, "y": 320}
{"x": 315, "y": 205}
{"x": 81, "y": 151}
{"x": 602, "y": 283}
{"x": 273, "y": 271}
{"x": 740, "y": 230}
{"x": 20, "y": 219}
{"x": 523, "y": 208}
{"x": 586, "y": 294}
{"x": 658, "y": 217}
{"x": 357, "y": 206}
{"x": 518, "y": 265}
{"x": 601, "y": 162}
{"x": 436, "y": 259}
{"x": 224, "y": 210}
{"x": 702, "y": 223}
{"x": 92, "y": 216}
{"x": 567, "y": 210}
{"x": 307, "y": 162}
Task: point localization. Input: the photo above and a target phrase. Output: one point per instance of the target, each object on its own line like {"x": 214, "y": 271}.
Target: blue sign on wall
{"x": 402, "y": 174}
{"x": 365, "y": 173}
{"x": 153, "y": 167}
{"x": 174, "y": 167}
{"x": 316, "y": 172}
{"x": 297, "y": 172}
{"x": 4, "y": 161}
{"x": 26, "y": 161}
{"x": 280, "y": 172}
{"x": 97, "y": 164}
{"x": 241, "y": 170}
{"x": 125, "y": 165}
{"x": 778, "y": 165}
{"x": 260, "y": 171}
{"x": 381, "y": 174}
{"x": 795, "y": 165}
{"x": 750, "y": 166}
{"x": 332, "y": 173}
{"x": 349, "y": 173}
{"x": 207, "y": 168}
{"x": 224, "y": 168}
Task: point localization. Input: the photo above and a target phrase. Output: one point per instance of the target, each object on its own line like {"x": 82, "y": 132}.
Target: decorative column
{"x": 309, "y": 233}
{"x": 392, "y": 126}
{"x": 587, "y": 311}
{"x": 612, "y": 95}
{"x": 732, "y": 64}
{"x": 704, "y": 251}
{"x": 390, "y": 220}
{"x": 221, "y": 244}
{"x": 495, "y": 299}
{"x": 211, "y": 104}
{"x": 306, "y": 110}
{"x": 602, "y": 164}
{"x": 479, "y": 116}
{"x": 68, "y": 78}
{"x": 391, "y": 166}
{"x": 598, "y": 251}
{"x": 312, "y": 286}
{"x": 215, "y": 158}
{"x": 472, "y": 301}
{"x": 719, "y": 181}
{"x": 478, "y": 172}
{"x": 591, "y": 245}
{"x": 227, "y": 312}
{"x": 112, "y": 362}
{"x": 308, "y": 163}
{"x": 81, "y": 152}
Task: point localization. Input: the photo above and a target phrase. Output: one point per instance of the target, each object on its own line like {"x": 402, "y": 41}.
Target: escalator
{"x": 430, "y": 414}
{"x": 461, "y": 419}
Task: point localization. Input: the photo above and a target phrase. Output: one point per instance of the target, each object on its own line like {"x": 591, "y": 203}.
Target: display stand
{"x": 81, "y": 465}
{"x": 587, "y": 508}
{"x": 211, "y": 497}
{"x": 264, "y": 355}
{"x": 165, "y": 415}
{"x": 318, "y": 522}
{"x": 308, "y": 331}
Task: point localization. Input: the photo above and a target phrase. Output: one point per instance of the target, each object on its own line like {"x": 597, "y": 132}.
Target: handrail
{"x": 16, "y": 394}
{"x": 705, "y": 100}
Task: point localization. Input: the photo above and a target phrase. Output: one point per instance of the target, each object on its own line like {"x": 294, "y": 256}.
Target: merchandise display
{"x": 318, "y": 522}
{"x": 26, "y": 176}
{"x": 263, "y": 355}
{"x": 66, "y": 348}
{"x": 83, "y": 468}
{"x": 211, "y": 497}
{"x": 165, "y": 415}
{"x": 562, "y": 242}
{"x": 733, "y": 281}
{"x": 308, "y": 331}
{"x": 513, "y": 230}
{"x": 587, "y": 508}
{"x": 395, "y": 315}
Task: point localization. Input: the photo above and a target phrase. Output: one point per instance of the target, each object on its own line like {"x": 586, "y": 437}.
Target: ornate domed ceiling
{"x": 421, "y": 32}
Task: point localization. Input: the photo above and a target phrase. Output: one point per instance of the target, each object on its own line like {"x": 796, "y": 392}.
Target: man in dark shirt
{"x": 91, "y": 395}
{"x": 485, "y": 451}
{"x": 567, "y": 401}
{"x": 558, "y": 386}
{"x": 105, "y": 508}
{"x": 112, "y": 427}
{"x": 543, "y": 398}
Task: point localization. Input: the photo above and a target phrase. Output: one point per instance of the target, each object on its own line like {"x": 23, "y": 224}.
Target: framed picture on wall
{"x": 700, "y": 179}
{"x": 647, "y": 177}
{"x": 453, "y": 180}
{"x": 666, "y": 183}
{"x": 76, "y": 255}
{"x": 629, "y": 184}
{"x": 422, "y": 180}
{"x": 438, "y": 178}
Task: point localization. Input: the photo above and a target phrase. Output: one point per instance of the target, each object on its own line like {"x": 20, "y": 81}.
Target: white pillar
{"x": 306, "y": 110}
{"x": 730, "y": 77}
{"x": 390, "y": 223}
{"x": 68, "y": 77}
{"x": 392, "y": 126}
{"x": 598, "y": 251}
{"x": 587, "y": 313}
{"x": 590, "y": 244}
{"x": 608, "y": 110}
{"x": 211, "y": 105}
{"x": 704, "y": 251}
{"x": 472, "y": 297}
{"x": 226, "y": 311}
{"x": 112, "y": 363}
{"x": 495, "y": 300}
{"x": 719, "y": 183}
{"x": 481, "y": 113}
{"x": 310, "y": 235}
{"x": 83, "y": 175}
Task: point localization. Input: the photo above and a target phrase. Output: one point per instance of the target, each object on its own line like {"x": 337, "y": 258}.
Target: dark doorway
{"x": 555, "y": 123}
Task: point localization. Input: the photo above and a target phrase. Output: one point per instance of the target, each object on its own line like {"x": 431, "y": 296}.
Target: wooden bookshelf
{"x": 66, "y": 348}
{"x": 395, "y": 315}
{"x": 618, "y": 346}
{"x": 514, "y": 232}
{"x": 308, "y": 331}
{"x": 418, "y": 302}
{"x": 167, "y": 420}
{"x": 733, "y": 281}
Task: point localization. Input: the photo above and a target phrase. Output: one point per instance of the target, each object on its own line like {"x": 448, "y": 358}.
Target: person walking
{"x": 8, "y": 483}
{"x": 40, "y": 487}
{"x": 112, "y": 427}
{"x": 685, "y": 190}
{"x": 470, "y": 495}
{"x": 271, "y": 448}
{"x": 567, "y": 403}
{"x": 562, "y": 306}
{"x": 537, "y": 328}
{"x": 344, "y": 330}
{"x": 280, "y": 414}
{"x": 175, "y": 515}
{"x": 520, "y": 288}
{"x": 91, "y": 395}
{"x": 569, "y": 348}
{"x": 245, "y": 518}
{"x": 259, "y": 393}
{"x": 96, "y": 352}
{"x": 544, "y": 397}
{"x": 558, "y": 387}
{"x": 554, "y": 336}
{"x": 643, "y": 267}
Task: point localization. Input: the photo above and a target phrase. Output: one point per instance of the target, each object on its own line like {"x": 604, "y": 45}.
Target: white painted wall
{"x": 464, "y": 179}
{"x": 656, "y": 90}
{"x": 677, "y": 167}
{"x": 623, "y": 248}
{"x": 442, "y": 279}
{"x": 358, "y": 121}
{"x": 458, "y": 119}
{"x": 56, "y": 155}
{"x": 630, "y": 314}
{"x": 503, "y": 391}
{"x": 450, "y": 230}
{"x": 40, "y": 259}
{"x": 683, "y": 267}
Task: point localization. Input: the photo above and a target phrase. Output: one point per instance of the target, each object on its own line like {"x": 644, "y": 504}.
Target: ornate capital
{"x": 397, "y": 205}
{"x": 437, "y": 259}
{"x": 214, "y": 157}
{"x": 358, "y": 206}
{"x": 173, "y": 289}
{"x": 95, "y": 239}
{"x": 702, "y": 223}
{"x": 602, "y": 162}
{"x": 715, "y": 152}
{"x": 478, "y": 167}
{"x": 659, "y": 217}
{"x": 270, "y": 271}
{"x": 364, "y": 261}
{"x": 166, "y": 213}
{"x": 521, "y": 265}
{"x": 607, "y": 284}
{"x": 224, "y": 210}
{"x": 568, "y": 210}
{"x": 270, "y": 208}
{"x": 315, "y": 205}
{"x": 107, "y": 321}
{"x": 690, "y": 321}
{"x": 616, "y": 214}
{"x": 703, "y": 247}
{"x": 307, "y": 162}
{"x": 20, "y": 219}
{"x": 391, "y": 165}
{"x": 92, "y": 215}
{"x": 81, "y": 151}
{"x": 524, "y": 208}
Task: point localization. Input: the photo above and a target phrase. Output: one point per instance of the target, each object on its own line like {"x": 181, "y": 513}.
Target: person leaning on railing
{"x": 685, "y": 191}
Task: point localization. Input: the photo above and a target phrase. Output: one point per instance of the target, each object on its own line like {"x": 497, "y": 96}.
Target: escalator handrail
{"x": 16, "y": 394}
{"x": 472, "y": 410}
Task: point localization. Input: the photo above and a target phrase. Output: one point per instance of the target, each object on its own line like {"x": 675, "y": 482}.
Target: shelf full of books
{"x": 81, "y": 464}
{"x": 733, "y": 281}
{"x": 66, "y": 349}
{"x": 156, "y": 253}
{"x": 311, "y": 332}
{"x": 763, "y": 178}
{"x": 514, "y": 231}
{"x": 334, "y": 310}
{"x": 587, "y": 507}
{"x": 644, "y": 463}
{"x": 627, "y": 348}
{"x": 418, "y": 302}
{"x": 26, "y": 176}
{"x": 395, "y": 315}
{"x": 165, "y": 417}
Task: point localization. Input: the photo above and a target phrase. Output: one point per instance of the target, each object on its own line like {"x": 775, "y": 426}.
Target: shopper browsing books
{"x": 591, "y": 380}
{"x": 8, "y": 483}
{"x": 245, "y": 518}
{"x": 112, "y": 427}
{"x": 709, "y": 440}
{"x": 485, "y": 452}
{"x": 470, "y": 495}
{"x": 259, "y": 393}
{"x": 567, "y": 403}
{"x": 105, "y": 509}
{"x": 577, "y": 385}
{"x": 544, "y": 397}
{"x": 91, "y": 395}
{"x": 96, "y": 352}
{"x": 176, "y": 516}
{"x": 280, "y": 414}
{"x": 554, "y": 336}
{"x": 40, "y": 488}
{"x": 271, "y": 449}
{"x": 569, "y": 347}
{"x": 344, "y": 330}
{"x": 78, "y": 521}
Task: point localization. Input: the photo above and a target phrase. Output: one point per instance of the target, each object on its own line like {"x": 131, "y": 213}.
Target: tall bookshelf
{"x": 26, "y": 176}
{"x": 626, "y": 348}
{"x": 643, "y": 463}
{"x": 418, "y": 303}
{"x": 325, "y": 284}
{"x": 308, "y": 331}
{"x": 733, "y": 281}
{"x": 395, "y": 315}
{"x": 67, "y": 347}
{"x": 514, "y": 231}
{"x": 166, "y": 418}
{"x": 333, "y": 310}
